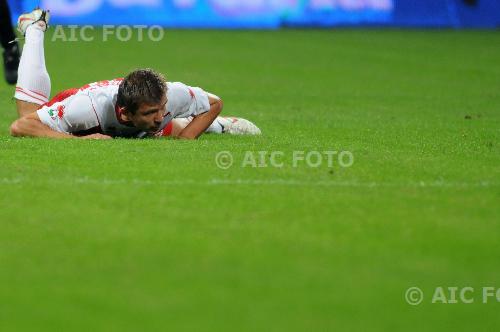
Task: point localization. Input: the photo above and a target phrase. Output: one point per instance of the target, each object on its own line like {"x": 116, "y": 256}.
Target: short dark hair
{"x": 142, "y": 86}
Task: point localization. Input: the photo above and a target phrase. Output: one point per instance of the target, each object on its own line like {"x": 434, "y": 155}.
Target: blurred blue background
{"x": 271, "y": 13}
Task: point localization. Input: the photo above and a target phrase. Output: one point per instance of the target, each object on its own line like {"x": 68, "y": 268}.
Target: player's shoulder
{"x": 176, "y": 87}
{"x": 179, "y": 90}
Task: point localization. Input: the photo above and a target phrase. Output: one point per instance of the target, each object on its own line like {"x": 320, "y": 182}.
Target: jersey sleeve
{"x": 188, "y": 101}
{"x": 71, "y": 116}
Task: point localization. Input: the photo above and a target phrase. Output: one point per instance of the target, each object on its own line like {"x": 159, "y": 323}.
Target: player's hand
{"x": 97, "y": 136}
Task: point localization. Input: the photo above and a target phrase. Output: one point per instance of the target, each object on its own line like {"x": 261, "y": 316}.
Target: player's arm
{"x": 31, "y": 126}
{"x": 59, "y": 120}
{"x": 202, "y": 121}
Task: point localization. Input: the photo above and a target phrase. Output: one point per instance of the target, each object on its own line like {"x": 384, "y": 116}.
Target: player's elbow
{"x": 219, "y": 106}
{"x": 22, "y": 127}
{"x": 16, "y": 128}
{"x": 221, "y": 103}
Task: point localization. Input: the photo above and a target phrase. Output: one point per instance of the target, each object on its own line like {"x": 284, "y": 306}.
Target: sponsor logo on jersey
{"x": 60, "y": 111}
{"x": 57, "y": 113}
{"x": 52, "y": 114}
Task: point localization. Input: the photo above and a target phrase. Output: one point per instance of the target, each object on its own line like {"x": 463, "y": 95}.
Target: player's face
{"x": 149, "y": 117}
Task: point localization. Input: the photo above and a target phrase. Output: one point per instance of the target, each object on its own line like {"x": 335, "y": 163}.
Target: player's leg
{"x": 10, "y": 47}
{"x": 33, "y": 84}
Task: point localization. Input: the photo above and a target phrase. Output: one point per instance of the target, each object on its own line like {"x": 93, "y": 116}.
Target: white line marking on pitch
{"x": 242, "y": 182}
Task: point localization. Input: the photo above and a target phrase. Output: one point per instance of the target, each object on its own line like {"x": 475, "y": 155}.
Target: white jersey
{"x": 92, "y": 109}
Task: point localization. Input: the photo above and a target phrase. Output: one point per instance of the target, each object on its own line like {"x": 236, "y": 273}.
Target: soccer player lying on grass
{"x": 140, "y": 105}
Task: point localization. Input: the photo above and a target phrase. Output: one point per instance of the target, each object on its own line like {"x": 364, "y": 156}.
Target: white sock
{"x": 33, "y": 83}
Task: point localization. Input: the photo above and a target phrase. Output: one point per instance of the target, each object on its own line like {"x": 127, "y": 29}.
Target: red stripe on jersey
{"x": 167, "y": 131}
{"x": 70, "y": 92}
{"x": 61, "y": 96}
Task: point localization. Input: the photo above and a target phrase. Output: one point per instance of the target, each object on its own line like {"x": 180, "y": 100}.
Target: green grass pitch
{"x": 137, "y": 235}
